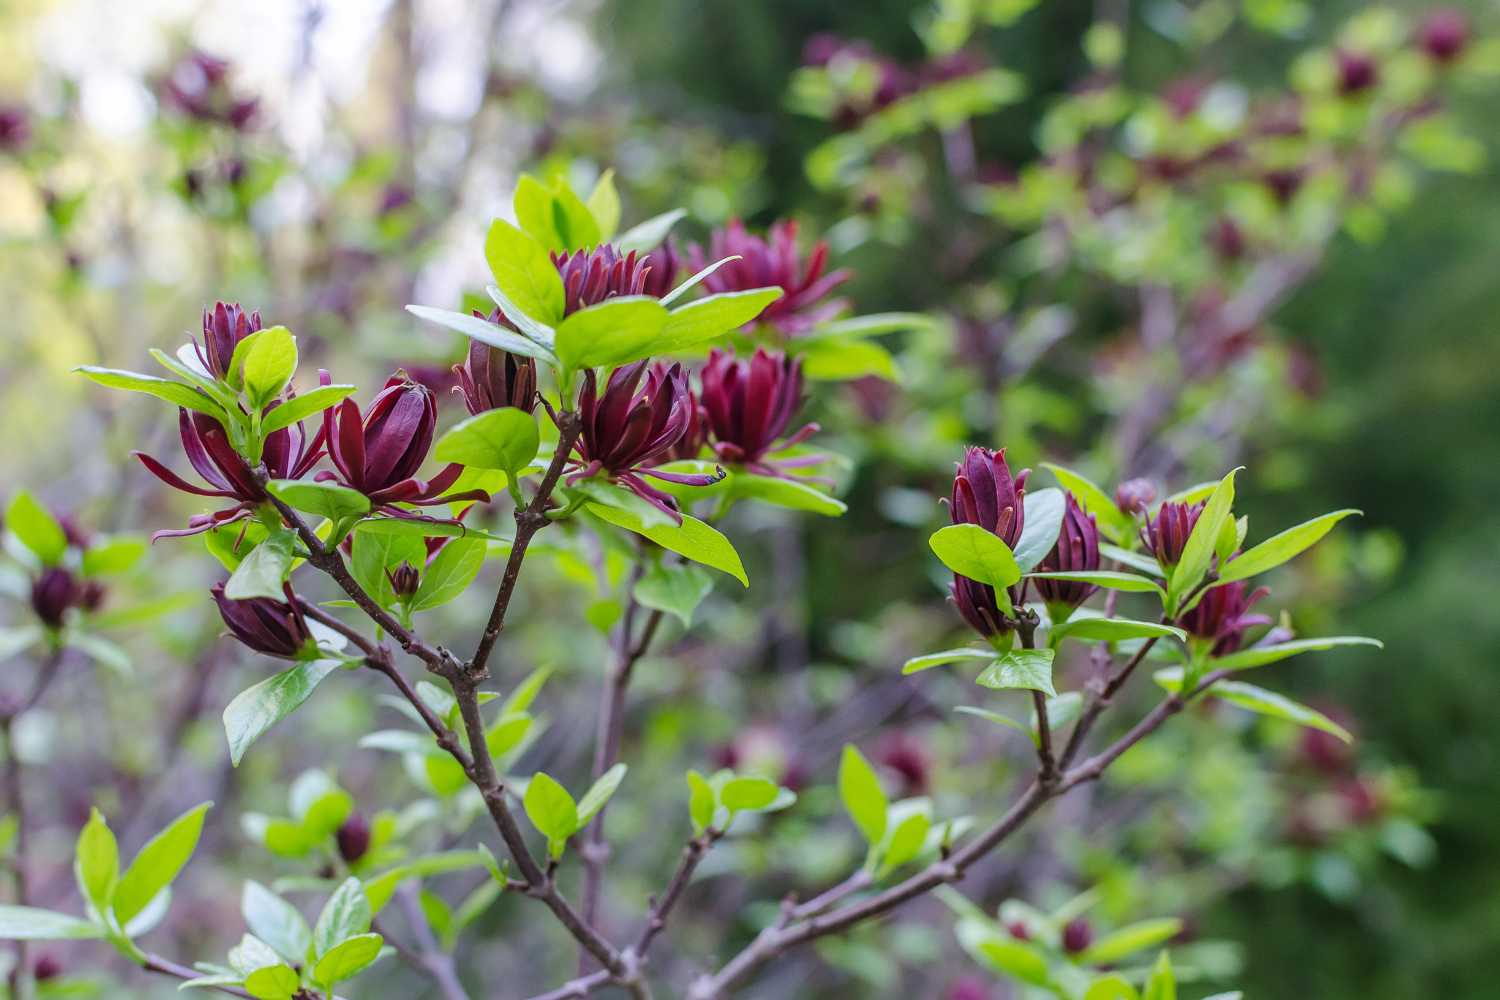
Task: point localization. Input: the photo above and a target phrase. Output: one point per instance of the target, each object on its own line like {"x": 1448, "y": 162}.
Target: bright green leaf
{"x": 1199, "y": 550}
{"x": 788, "y": 493}
{"x": 263, "y": 571}
{"x": 649, "y": 235}
{"x": 599, "y": 794}
{"x": 450, "y": 573}
{"x": 96, "y": 862}
{"x": 158, "y": 863}
{"x": 617, "y": 331}
{"x": 348, "y": 958}
{"x": 1259, "y": 656}
{"x": 482, "y": 330}
{"x": 506, "y": 438}
{"x": 1130, "y": 939}
{"x": 524, "y": 272}
{"x": 303, "y": 405}
{"x": 693, "y": 539}
{"x": 37, "y": 529}
{"x": 275, "y": 921}
{"x": 1280, "y": 548}
{"x": 677, "y": 590}
{"x": 860, "y": 791}
{"x": 1029, "y": 669}
{"x": 328, "y": 500}
{"x": 1115, "y": 630}
{"x": 173, "y": 392}
{"x": 345, "y": 915}
{"x": 550, "y": 808}
{"x": 713, "y": 316}
{"x": 1040, "y": 527}
{"x": 258, "y": 708}
{"x": 27, "y": 923}
{"x": 927, "y": 660}
{"x": 748, "y": 793}
{"x": 971, "y": 551}
{"x": 269, "y": 365}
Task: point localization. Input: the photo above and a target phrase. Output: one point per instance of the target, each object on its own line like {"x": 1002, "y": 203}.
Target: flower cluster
{"x": 774, "y": 260}
{"x": 987, "y": 494}
{"x": 198, "y": 86}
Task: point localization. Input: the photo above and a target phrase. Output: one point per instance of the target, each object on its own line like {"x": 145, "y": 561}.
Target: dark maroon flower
{"x": 773, "y": 261}
{"x": 53, "y": 593}
{"x": 750, "y": 404}
{"x": 275, "y": 628}
{"x": 287, "y": 454}
{"x": 908, "y": 757}
{"x": 1133, "y": 496}
{"x": 1076, "y": 551}
{"x": 1444, "y": 34}
{"x": 1166, "y": 534}
{"x": 625, "y": 430}
{"x": 15, "y": 128}
{"x": 405, "y": 579}
{"x": 1357, "y": 72}
{"x": 491, "y": 378}
{"x": 661, "y": 266}
{"x": 591, "y": 276}
{"x": 224, "y": 326}
{"x": 986, "y": 494}
{"x": 1223, "y": 615}
{"x": 379, "y": 452}
{"x": 1077, "y": 935}
{"x": 353, "y": 838}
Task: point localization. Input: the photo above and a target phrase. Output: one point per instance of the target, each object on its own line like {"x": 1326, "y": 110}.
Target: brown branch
{"x": 167, "y": 967}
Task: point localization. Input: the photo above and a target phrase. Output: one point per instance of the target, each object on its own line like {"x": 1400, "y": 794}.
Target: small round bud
{"x": 1444, "y": 35}
{"x": 46, "y": 967}
{"x": 404, "y": 580}
{"x": 1357, "y": 72}
{"x": 1133, "y": 496}
{"x": 52, "y": 594}
{"x": 353, "y": 838}
{"x": 1077, "y": 936}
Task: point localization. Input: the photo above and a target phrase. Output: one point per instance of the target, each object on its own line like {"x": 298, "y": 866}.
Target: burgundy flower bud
{"x": 287, "y": 454}
{"x": 909, "y": 758}
{"x": 15, "y": 128}
{"x": 1444, "y": 34}
{"x": 46, "y": 968}
{"x": 630, "y": 427}
{"x": 661, "y": 266}
{"x": 1134, "y": 496}
{"x": 224, "y": 326}
{"x": 394, "y": 198}
{"x": 1324, "y": 752}
{"x": 1076, "y": 551}
{"x": 1077, "y": 935}
{"x": 491, "y": 378}
{"x": 405, "y": 579}
{"x": 53, "y": 593}
{"x": 1227, "y": 239}
{"x": 1363, "y": 802}
{"x": 91, "y": 594}
{"x": 1284, "y": 184}
{"x": 986, "y": 494}
{"x": 977, "y": 604}
{"x": 591, "y": 276}
{"x": 275, "y": 628}
{"x": 1166, "y": 535}
{"x": 353, "y": 838}
{"x": 1357, "y": 72}
{"x": 379, "y": 451}
{"x": 751, "y": 403}
{"x": 1223, "y": 615}
{"x": 773, "y": 261}
{"x": 1018, "y": 930}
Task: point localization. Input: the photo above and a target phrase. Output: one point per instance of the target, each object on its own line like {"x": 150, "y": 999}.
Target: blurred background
{"x": 1153, "y": 238}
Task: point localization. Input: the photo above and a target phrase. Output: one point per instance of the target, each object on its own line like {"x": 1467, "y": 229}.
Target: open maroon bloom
{"x": 985, "y": 493}
{"x": 1166, "y": 534}
{"x": 625, "y": 430}
{"x": 491, "y": 378}
{"x": 1076, "y": 551}
{"x": 287, "y": 454}
{"x": 224, "y": 326}
{"x": 275, "y": 628}
{"x": 591, "y": 276}
{"x": 1223, "y": 615}
{"x": 750, "y": 404}
{"x": 379, "y": 452}
{"x": 776, "y": 261}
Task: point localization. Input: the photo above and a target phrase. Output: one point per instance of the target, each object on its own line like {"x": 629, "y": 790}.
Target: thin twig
{"x": 167, "y": 967}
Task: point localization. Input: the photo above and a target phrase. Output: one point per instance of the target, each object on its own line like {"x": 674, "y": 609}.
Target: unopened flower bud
{"x": 46, "y": 968}
{"x": 1077, "y": 936}
{"x": 1357, "y": 72}
{"x": 1166, "y": 535}
{"x": 224, "y": 326}
{"x": 1444, "y": 34}
{"x": 353, "y": 838}
{"x": 52, "y": 594}
{"x": 1133, "y": 496}
{"x": 1076, "y": 551}
{"x": 404, "y": 580}
{"x": 272, "y": 627}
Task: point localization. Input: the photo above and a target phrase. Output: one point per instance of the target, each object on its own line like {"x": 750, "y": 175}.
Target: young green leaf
{"x": 275, "y": 921}
{"x": 1198, "y": 553}
{"x": 622, "y": 499}
{"x": 1281, "y": 548}
{"x": 863, "y": 798}
{"x": 677, "y": 590}
{"x": 113, "y": 555}
{"x": 551, "y": 809}
{"x": 1115, "y": 630}
{"x": 273, "y": 982}
{"x": 1259, "y": 656}
{"x": 262, "y": 572}
{"x": 96, "y": 862}
{"x": 837, "y": 360}
{"x": 258, "y": 708}
{"x": 524, "y": 272}
{"x": 1137, "y": 561}
{"x": 604, "y": 205}
{"x": 997, "y": 718}
{"x": 788, "y": 493}
{"x": 1260, "y": 701}
{"x": 173, "y": 392}
{"x": 348, "y": 958}
{"x": 906, "y": 840}
{"x": 27, "y": 923}
{"x": 328, "y": 500}
{"x": 693, "y": 539}
{"x": 1040, "y": 528}
{"x": 1028, "y": 669}
{"x": 748, "y": 793}
{"x": 1128, "y": 940}
{"x": 599, "y": 794}
{"x": 928, "y": 660}
{"x": 696, "y": 279}
{"x": 37, "y": 529}
{"x": 713, "y": 316}
{"x": 158, "y": 862}
{"x": 303, "y": 405}
{"x": 701, "y": 802}
{"x": 345, "y": 915}
{"x": 269, "y": 365}
{"x": 482, "y": 330}
{"x": 971, "y": 551}
{"x": 1163, "y": 984}
{"x": 506, "y": 438}
{"x": 614, "y": 332}
{"x": 1108, "y": 579}
{"x": 450, "y": 573}
{"x": 1111, "y": 987}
